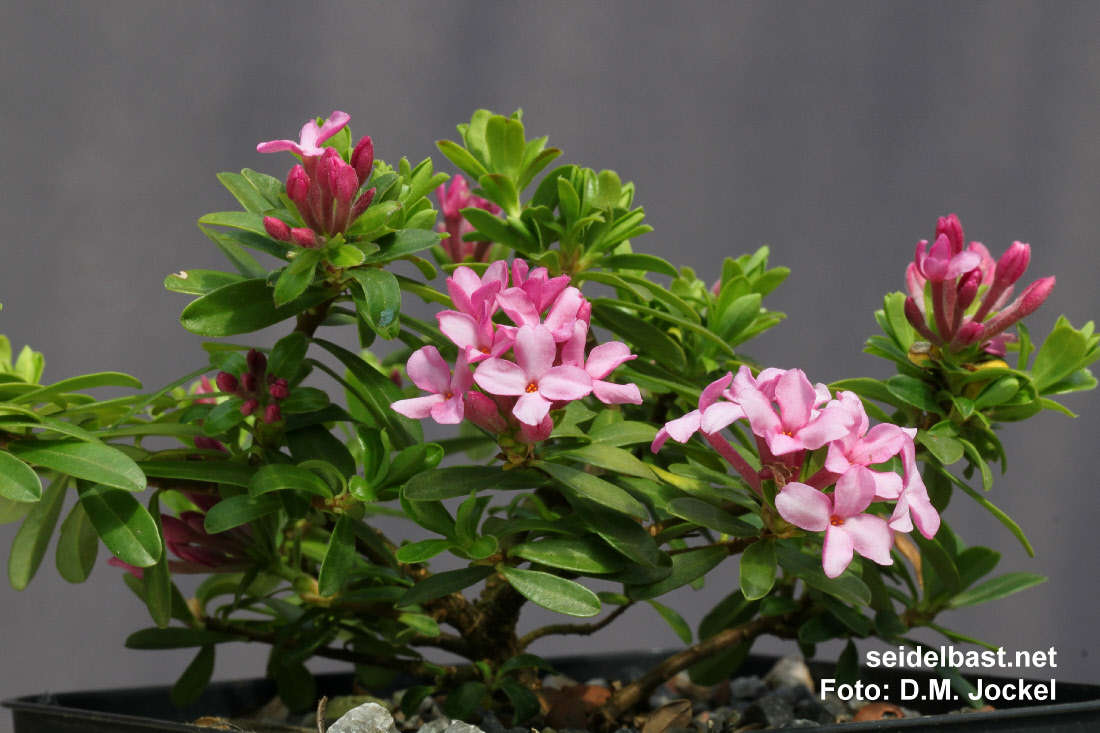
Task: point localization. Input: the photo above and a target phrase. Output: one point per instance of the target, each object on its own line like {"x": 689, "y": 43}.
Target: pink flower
{"x": 533, "y": 378}
{"x": 682, "y": 428}
{"x": 602, "y": 360}
{"x": 865, "y": 447}
{"x": 475, "y": 295}
{"x": 839, "y": 515}
{"x": 311, "y": 137}
{"x": 452, "y": 200}
{"x": 798, "y": 424}
{"x": 537, "y": 284}
{"x": 565, "y": 310}
{"x": 914, "y": 506}
{"x": 429, "y": 372}
{"x": 479, "y": 340}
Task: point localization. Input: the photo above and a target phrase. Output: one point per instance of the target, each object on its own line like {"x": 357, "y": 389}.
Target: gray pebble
{"x": 436, "y": 726}
{"x": 772, "y": 711}
{"x": 802, "y": 723}
{"x": 368, "y": 718}
{"x": 459, "y": 727}
{"x": 790, "y": 671}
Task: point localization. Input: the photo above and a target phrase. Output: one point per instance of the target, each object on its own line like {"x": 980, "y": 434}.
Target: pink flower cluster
{"x": 789, "y": 417}
{"x": 324, "y": 189}
{"x": 524, "y": 370}
{"x": 199, "y": 552}
{"x": 452, "y": 199}
{"x": 955, "y": 276}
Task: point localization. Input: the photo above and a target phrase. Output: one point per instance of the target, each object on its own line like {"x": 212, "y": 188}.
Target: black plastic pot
{"x": 148, "y": 709}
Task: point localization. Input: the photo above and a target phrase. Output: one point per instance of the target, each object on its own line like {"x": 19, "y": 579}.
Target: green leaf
{"x": 18, "y": 481}
{"x": 674, "y": 620}
{"x": 626, "y": 432}
{"x": 1060, "y": 355}
{"x": 423, "y": 550}
{"x": 339, "y": 559}
{"x": 238, "y": 510}
{"x": 524, "y": 702}
{"x": 401, "y": 243}
{"x": 999, "y": 587}
{"x": 461, "y": 158}
{"x": 33, "y": 535}
{"x": 552, "y": 592}
{"x": 124, "y": 525}
{"x": 686, "y": 567}
{"x": 243, "y": 190}
{"x": 156, "y": 581}
{"x": 613, "y": 459}
{"x": 758, "y": 569}
{"x": 223, "y": 417}
{"x": 195, "y": 678}
{"x": 868, "y": 389}
{"x": 280, "y": 477}
{"x": 212, "y": 471}
{"x": 244, "y": 307}
{"x": 462, "y": 702}
{"x": 379, "y": 394}
{"x": 991, "y": 508}
{"x": 946, "y": 450}
{"x": 317, "y": 443}
{"x": 643, "y": 335}
{"x": 96, "y": 462}
{"x": 711, "y": 517}
{"x": 176, "y": 637}
{"x": 974, "y": 563}
{"x": 617, "y": 529}
{"x": 287, "y": 355}
{"x": 381, "y": 304}
{"x": 913, "y": 391}
{"x": 296, "y": 687}
{"x": 593, "y": 488}
{"x": 453, "y": 481}
{"x": 847, "y": 587}
{"x": 635, "y": 261}
{"x": 442, "y": 584}
{"x": 85, "y": 381}
{"x": 296, "y": 277}
{"x": 579, "y": 555}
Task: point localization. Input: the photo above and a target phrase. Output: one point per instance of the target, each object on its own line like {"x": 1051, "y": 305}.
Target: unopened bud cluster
{"x": 955, "y": 275}
{"x": 259, "y": 389}
{"x": 323, "y": 187}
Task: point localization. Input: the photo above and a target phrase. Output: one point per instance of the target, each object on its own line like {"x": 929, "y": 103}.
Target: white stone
{"x": 369, "y": 718}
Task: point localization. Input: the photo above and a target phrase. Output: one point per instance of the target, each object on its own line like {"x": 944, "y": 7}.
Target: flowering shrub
{"x": 596, "y": 400}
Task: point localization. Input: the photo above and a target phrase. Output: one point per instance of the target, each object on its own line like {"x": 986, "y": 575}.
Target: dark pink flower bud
{"x": 482, "y": 411}
{"x": 279, "y": 390}
{"x": 205, "y": 443}
{"x": 297, "y": 185}
{"x": 227, "y": 382}
{"x": 951, "y": 227}
{"x": 362, "y": 159}
{"x": 1028, "y": 302}
{"x": 395, "y": 377}
{"x": 257, "y": 362}
{"x": 306, "y": 238}
{"x": 361, "y": 204}
{"x": 968, "y": 290}
{"x": 248, "y": 382}
{"x": 1012, "y": 264}
{"x": 176, "y": 530}
{"x": 277, "y": 228}
{"x": 917, "y": 320}
{"x": 249, "y": 407}
{"x": 969, "y": 334}
{"x": 272, "y": 414}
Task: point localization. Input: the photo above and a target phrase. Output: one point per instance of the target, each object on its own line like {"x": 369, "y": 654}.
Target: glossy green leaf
{"x": 847, "y": 587}
{"x": 18, "y": 481}
{"x": 401, "y": 243}
{"x": 593, "y": 488}
{"x": 642, "y": 335}
{"x": 296, "y": 686}
{"x": 195, "y": 678}
{"x": 999, "y": 587}
{"x": 626, "y": 432}
{"x": 212, "y": 471}
{"x": 442, "y": 584}
{"x": 85, "y": 381}
{"x": 552, "y": 592}
{"x": 339, "y": 559}
{"x": 224, "y": 416}
{"x": 77, "y": 546}
{"x": 705, "y": 515}
{"x": 946, "y": 450}
{"x": 1003, "y": 518}
{"x": 636, "y": 261}
{"x": 913, "y": 392}
{"x": 124, "y": 525}
{"x": 462, "y": 159}
{"x": 758, "y": 569}
{"x": 176, "y": 637}
{"x": 1060, "y": 355}
{"x": 238, "y": 510}
{"x": 495, "y": 229}
{"x": 317, "y": 443}
{"x": 686, "y": 567}
{"x": 381, "y": 303}
{"x": 674, "y": 620}
{"x": 579, "y": 555}
{"x": 423, "y": 550}
{"x": 525, "y": 703}
{"x": 618, "y": 529}
{"x": 244, "y": 307}
{"x": 613, "y": 459}
{"x": 280, "y": 477}
{"x": 296, "y": 277}
{"x": 13, "y": 511}
{"x": 245, "y": 193}
{"x": 95, "y": 462}
{"x": 378, "y": 395}
{"x": 453, "y": 481}
{"x": 33, "y": 535}
{"x": 462, "y": 702}
{"x": 156, "y": 580}
{"x": 287, "y": 355}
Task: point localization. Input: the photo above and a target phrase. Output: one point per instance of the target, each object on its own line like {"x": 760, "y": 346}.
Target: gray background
{"x": 835, "y": 133}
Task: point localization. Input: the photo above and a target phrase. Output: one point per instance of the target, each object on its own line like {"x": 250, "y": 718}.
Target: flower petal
{"x": 606, "y": 357}
{"x": 535, "y": 351}
{"x": 418, "y": 408}
{"x": 804, "y": 506}
{"x": 682, "y": 428}
{"x": 871, "y": 537}
{"x": 518, "y": 306}
{"x": 836, "y": 555}
{"x": 531, "y": 408}
{"x": 854, "y": 492}
{"x": 500, "y": 377}
{"x": 610, "y": 393}
{"x": 720, "y": 415}
{"x": 565, "y": 383}
{"x": 796, "y": 398}
{"x": 428, "y": 371}
{"x": 449, "y": 412}
{"x": 460, "y": 328}
{"x": 715, "y": 389}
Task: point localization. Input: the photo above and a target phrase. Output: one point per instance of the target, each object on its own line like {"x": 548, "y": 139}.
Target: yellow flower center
{"x": 532, "y": 387}
{"x": 836, "y": 521}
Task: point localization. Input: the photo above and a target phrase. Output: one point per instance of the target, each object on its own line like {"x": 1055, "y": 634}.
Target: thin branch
{"x": 581, "y": 629}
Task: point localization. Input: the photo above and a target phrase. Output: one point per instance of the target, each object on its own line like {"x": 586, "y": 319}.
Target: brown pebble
{"x": 878, "y": 711}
